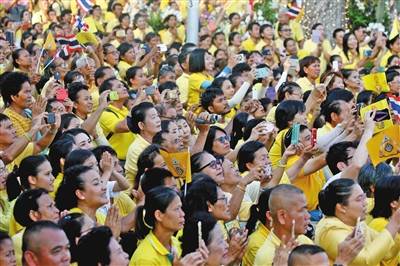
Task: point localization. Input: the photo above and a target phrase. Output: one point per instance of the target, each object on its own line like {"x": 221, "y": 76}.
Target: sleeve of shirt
{"x": 108, "y": 122}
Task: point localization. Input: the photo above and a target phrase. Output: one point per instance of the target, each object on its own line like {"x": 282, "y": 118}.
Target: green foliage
{"x": 267, "y": 11}
{"x": 155, "y": 21}
{"x": 374, "y": 11}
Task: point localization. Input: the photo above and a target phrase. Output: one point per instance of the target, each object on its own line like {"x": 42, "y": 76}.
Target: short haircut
{"x": 303, "y": 250}
{"x": 197, "y": 60}
{"x": 74, "y": 88}
{"x": 32, "y": 232}
{"x": 154, "y": 178}
{"x": 246, "y": 154}
{"x": 11, "y": 84}
{"x": 107, "y": 84}
{"x": 138, "y": 114}
{"x": 336, "y": 31}
{"x": 209, "y": 96}
{"x": 282, "y": 190}
{"x": 306, "y": 62}
{"x": 25, "y": 203}
{"x": 391, "y": 74}
{"x": 100, "y": 73}
{"x": 338, "y": 153}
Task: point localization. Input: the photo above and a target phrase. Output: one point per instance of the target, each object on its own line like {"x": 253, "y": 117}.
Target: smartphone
{"x": 262, "y": 73}
{"x": 162, "y": 47}
{"x": 150, "y": 90}
{"x": 295, "y": 134}
{"x": 335, "y": 66}
{"x": 294, "y": 64}
{"x": 51, "y": 118}
{"x": 199, "y": 232}
{"x": 367, "y": 53}
{"x": 313, "y": 136}
{"x": 61, "y": 94}
{"x": 316, "y": 36}
{"x": 358, "y": 230}
{"x": 269, "y": 127}
{"x": 113, "y": 96}
{"x": 57, "y": 76}
{"x": 240, "y": 58}
{"x": 10, "y": 37}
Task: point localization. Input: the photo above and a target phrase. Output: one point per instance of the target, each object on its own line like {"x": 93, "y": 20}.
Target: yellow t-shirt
{"x": 100, "y": 217}
{"x": 28, "y": 151}
{"x": 56, "y": 185}
{"x": 167, "y": 37}
{"x": 124, "y": 203}
{"x": 135, "y": 149}
{"x": 305, "y": 84}
{"x": 249, "y": 45}
{"x": 311, "y": 184}
{"x": 336, "y": 51}
{"x": 297, "y": 30}
{"x": 195, "y": 90}
{"x": 21, "y": 123}
{"x": 183, "y": 85}
{"x": 265, "y": 255}
{"x": 14, "y": 227}
{"x": 351, "y": 62}
{"x": 385, "y": 58}
{"x": 94, "y": 92}
{"x": 256, "y": 240}
{"x": 275, "y": 153}
{"x": 123, "y": 67}
{"x": 119, "y": 141}
{"x": 5, "y": 211}
{"x": 151, "y": 252}
{"x": 140, "y": 34}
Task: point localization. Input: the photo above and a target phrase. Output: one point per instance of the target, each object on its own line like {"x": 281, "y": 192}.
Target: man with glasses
{"x": 111, "y": 58}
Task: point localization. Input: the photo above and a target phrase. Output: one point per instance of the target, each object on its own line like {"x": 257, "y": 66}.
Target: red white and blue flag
{"x": 395, "y": 105}
{"x": 70, "y": 41}
{"x": 294, "y": 9}
{"x": 86, "y": 5}
{"x": 80, "y": 24}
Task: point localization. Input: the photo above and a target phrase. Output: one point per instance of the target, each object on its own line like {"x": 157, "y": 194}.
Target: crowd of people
{"x": 139, "y": 147}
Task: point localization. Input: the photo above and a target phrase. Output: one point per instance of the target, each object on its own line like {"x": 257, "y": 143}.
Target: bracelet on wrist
{"x": 281, "y": 164}
{"x": 241, "y": 188}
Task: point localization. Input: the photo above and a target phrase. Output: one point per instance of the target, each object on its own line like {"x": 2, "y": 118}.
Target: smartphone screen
{"x": 51, "y": 118}
{"x": 295, "y": 134}
{"x": 150, "y": 90}
{"x": 316, "y": 36}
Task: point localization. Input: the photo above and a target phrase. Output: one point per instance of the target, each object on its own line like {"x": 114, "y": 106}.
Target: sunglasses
{"x": 213, "y": 164}
{"x": 222, "y": 139}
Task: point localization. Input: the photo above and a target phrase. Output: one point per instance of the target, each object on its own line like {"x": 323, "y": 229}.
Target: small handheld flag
{"x": 86, "y": 5}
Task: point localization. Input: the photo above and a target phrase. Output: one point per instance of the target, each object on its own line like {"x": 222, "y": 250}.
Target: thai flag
{"x": 294, "y": 9}
{"x": 86, "y": 5}
{"x": 80, "y": 24}
{"x": 70, "y": 41}
{"x": 395, "y": 105}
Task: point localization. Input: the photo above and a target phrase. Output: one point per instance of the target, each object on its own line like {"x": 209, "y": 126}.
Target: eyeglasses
{"x": 213, "y": 164}
{"x": 225, "y": 199}
{"x": 222, "y": 139}
{"x": 287, "y": 30}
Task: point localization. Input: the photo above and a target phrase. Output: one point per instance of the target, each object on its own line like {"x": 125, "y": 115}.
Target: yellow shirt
{"x": 56, "y": 185}
{"x": 331, "y": 231}
{"x": 305, "y": 84}
{"x": 135, "y": 149}
{"x": 325, "y": 129}
{"x": 141, "y": 34}
{"x": 297, "y": 30}
{"x": 379, "y": 224}
{"x": 249, "y": 45}
{"x": 385, "y": 57}
{"x": 17, "y": 242}
{"x": 336, "y": 51}
{"x": 108, "y": 121}
{"x": 311, "y": 184}
{"x": 100, "y": 217}
{"x": 28, "y": 151}
{"x": 265, "y": 255}
{"x": 195, "y": 90}
{"x": 94, "y": 92}
{"x": 275, "y": 153}
{"x": 14, "y": 226}
{"x": 21, "y": 123}
{"x": 167, "y": 37}
{"x": 351, "y": 62}
{"x": 183, "y": 85}
{"x": 310, "y": 46}
{"x": 94, "y": 25}
{"x": 151, "y": 252}
{"x": 124, "y": 203}
{"x": 5, "y": 211}
{"x": 256, "y": 240}
{"x": 123, "y": 67}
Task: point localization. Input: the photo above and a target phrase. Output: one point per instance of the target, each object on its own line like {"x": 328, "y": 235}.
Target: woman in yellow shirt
{"x": 387, "y": 201}
{"x": 258, "y": 226}
{"x": 156, "y": 222}
{"x": 82, "y": 191}
{"x": 352, "y": 81}
{"x": 201, "y": 66}
{"x": 344, "y": 205}
{"x": 127, "y": 58}
{"x": 309, "y": 73}
{"x": 5, "y": 206}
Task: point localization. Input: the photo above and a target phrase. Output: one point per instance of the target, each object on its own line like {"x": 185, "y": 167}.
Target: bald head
{"x": 283, "y": 197}
{"x": 304, "y": 255}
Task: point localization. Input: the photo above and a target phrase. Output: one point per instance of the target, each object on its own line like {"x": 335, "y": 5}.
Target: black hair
{"x": 154, "y": 178}
{"x": 238, "y": 126}
{"x": 246, "y": 154}
{"x": 72, "y": 181}
{"x": 231, "y": 15}
{"x": 72, "y": 224}
{"x": 337, "y": 192}
{"x": 365, "y": 97}
{"x": 336, "y": 31}
{"x": 196, "y": 161}
{"x": 240, "y": 68}
{"x": 107, "y": 84}
{"x": 288, "y": 87}
{"x": 306, "y": 62}
{"x": 190, "y": 235}
{"x": 288, "y": 136}
{"x": 258, "y": 211}
{"x": 70, "y": 76}
{"x": 338, "y": 153}
{"x": 168, "y": 85}
{"x": 59, "y": 150}
{"x": 197, "y": 60}
{"x": 146, "y": 161}
{"x": 251, "y": 25}
{"x": 99, "y": 150}
{"x": 391, "y": 74}
{"x": 32, "y": 232}
{"x": 390, "y": 42}
{"x": 18, "y": 180}
{"x": 202, "y": 191}
{"x": 96, "y": 243}
{"x": 286, "y": 111}
{"x": 387, "y": 190}
{"x": 65, "y": 122}
{"x": 25, "y": 203}
{"x": 391, "y": 58}
{"x": 25, "y": 35}
{"x": 11, "y": 84}
{"x": 15, "y": 55}
{"x": 231, "y": 37}
{"x": 4, "y": 236}
{"x": 346, "y": 48}
{"x": 285, "y": 42}
{"x": 249, "y": 127}
{"x": 209, "y": 96}
{"x": 158, "y": 198}
{"x": 369, "y": 175}
{"x": 74, "y": 88}
{"x": 138, "y": 114}
{"x": 214, "y": 36}
{"x": 131, "y": 73}
{"x": 73, "y": 132}
{"x": 210, "y": 139}
{"x": 123, "y": 48}
{"x": 77, "y": 157}
{"x": 100, "y": 73}
{"x": 303, "y": 250}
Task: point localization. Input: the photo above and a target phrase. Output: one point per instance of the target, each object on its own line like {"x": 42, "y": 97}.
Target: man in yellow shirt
{"x": 183, "y": 80}
{"x": 254, "y": 31}
{"x": 297, "y": 30}
{"x": 338, "y": 38}
{"x": 113, "y": 119}
{"x": 290, "y": 218}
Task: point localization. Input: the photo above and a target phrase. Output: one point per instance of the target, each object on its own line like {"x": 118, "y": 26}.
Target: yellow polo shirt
{"x": 249, "y": 45}
{"x": 385, "y": 58}
{"x": 135, "y": 149}
{"x": 151, "y": 252}
{"x": 305, "y": 84}
{"x": 275, "y": 153}
{"x": 311, "y": 184}
{"x": 266, "y": 253}
{"x": 123, "y": 67}
{"x": 183, "y": 85}
{"x": 100, "y": 217}
{"x": 195, "y": 90}
{"x": 167, "y": 37}
{"x": 56, "y": 185}
{"x": 256, "y": 240}
{"x": 109, "y": 119}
